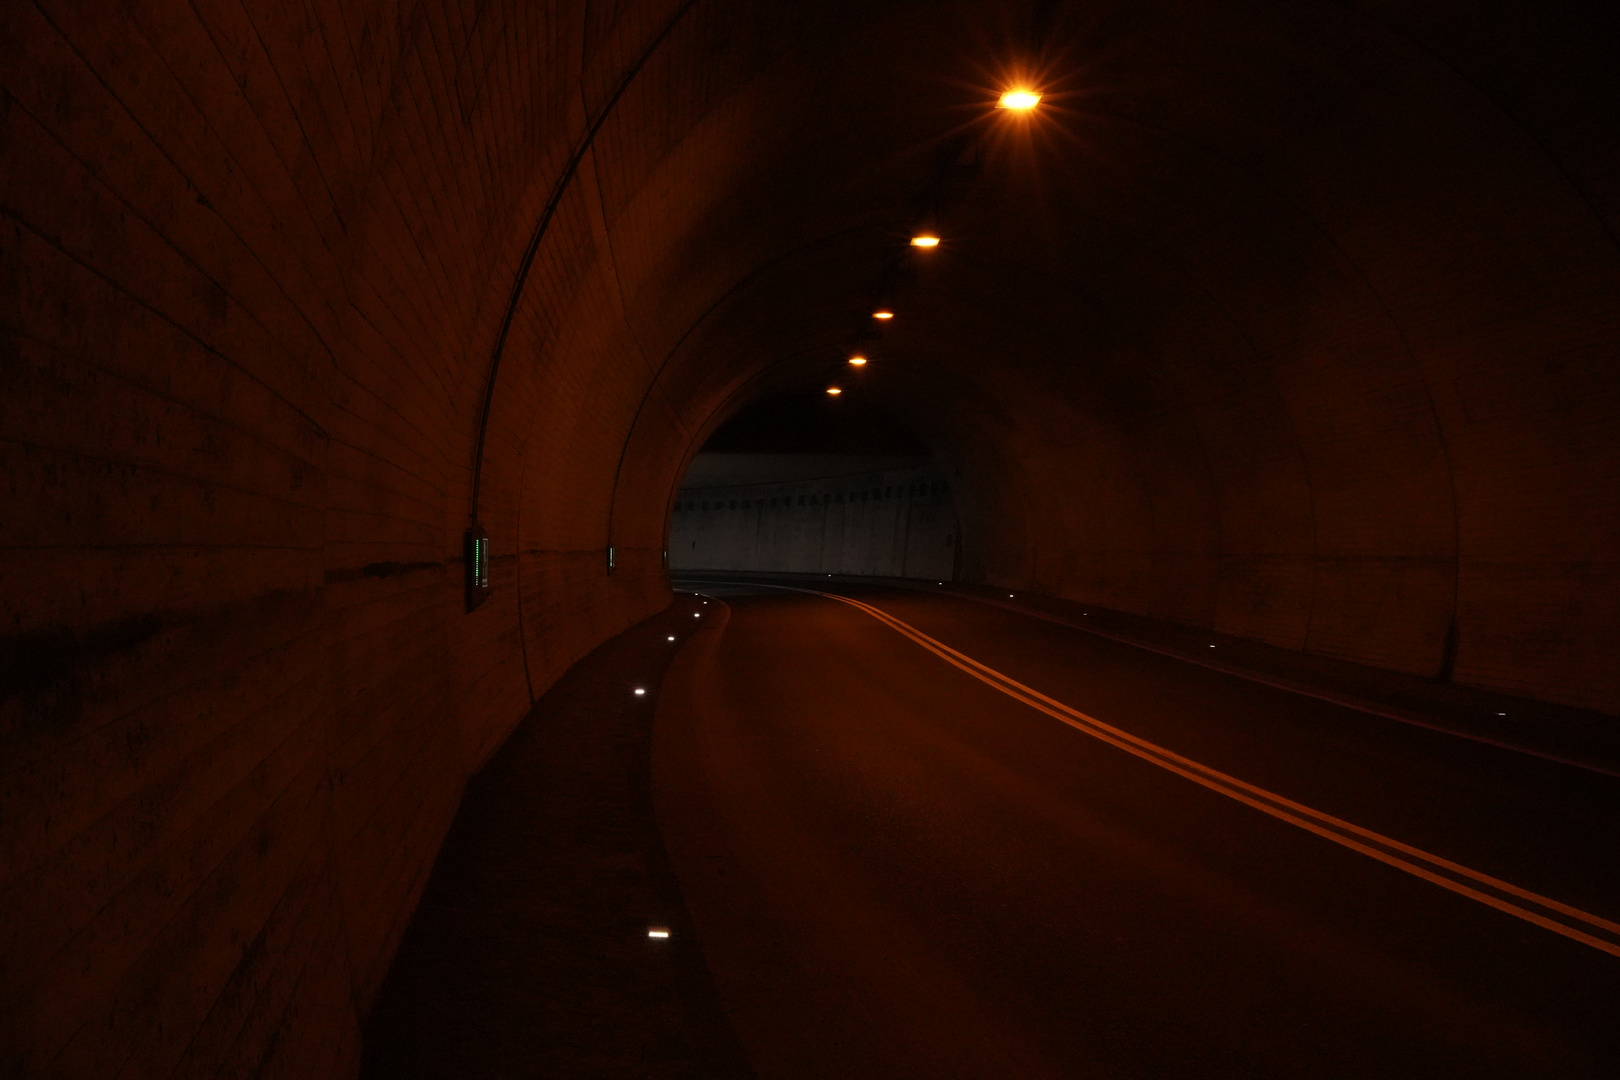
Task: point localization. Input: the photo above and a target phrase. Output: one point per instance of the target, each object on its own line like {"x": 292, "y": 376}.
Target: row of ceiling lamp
{"x": 1016, "y": 100}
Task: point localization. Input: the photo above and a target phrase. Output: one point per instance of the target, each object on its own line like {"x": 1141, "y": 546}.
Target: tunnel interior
{"x": 1296, "y": 322}
{"x": 809, "y": 421}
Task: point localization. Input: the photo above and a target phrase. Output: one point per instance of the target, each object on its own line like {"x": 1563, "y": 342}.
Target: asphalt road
{"x": 898, "y": 868}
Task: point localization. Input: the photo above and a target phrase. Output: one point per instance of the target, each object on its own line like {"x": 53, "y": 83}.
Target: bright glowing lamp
{"x": 884, "y": 313}
{"x": 857, "y": 361}
{"x": 925, "y": 240}
{"x": 1019, "y": 100}
{"x": 834, "y": 391}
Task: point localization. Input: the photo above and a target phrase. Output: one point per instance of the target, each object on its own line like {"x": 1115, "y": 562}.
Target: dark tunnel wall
{"x": 1295, "y": 320}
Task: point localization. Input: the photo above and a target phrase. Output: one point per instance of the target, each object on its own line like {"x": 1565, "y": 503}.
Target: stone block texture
{"x": 1295, "y": 320}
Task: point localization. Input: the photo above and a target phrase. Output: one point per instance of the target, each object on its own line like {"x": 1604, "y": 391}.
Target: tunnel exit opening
{"x": 801, "y": 484}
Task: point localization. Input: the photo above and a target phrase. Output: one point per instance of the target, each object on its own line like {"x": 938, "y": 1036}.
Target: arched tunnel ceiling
{"x": 1298, "y": 320}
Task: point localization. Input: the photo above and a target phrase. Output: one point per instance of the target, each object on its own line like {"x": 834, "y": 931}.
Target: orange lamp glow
{"x": 925, "y": 240}
{"x": 885, "y": 313}
{"x": 834, "y": 391}
{"x": 857, "y": 361}
{"x": 1019, "y": 100}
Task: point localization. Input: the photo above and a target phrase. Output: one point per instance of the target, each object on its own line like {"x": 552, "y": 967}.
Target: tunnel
{"x": 356, "y": 357}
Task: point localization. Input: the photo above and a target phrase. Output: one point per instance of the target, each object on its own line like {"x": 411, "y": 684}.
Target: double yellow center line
{"x": 1571, "y": 922}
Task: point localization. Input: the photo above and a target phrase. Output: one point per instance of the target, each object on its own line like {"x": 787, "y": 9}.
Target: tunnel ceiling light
{"x": 925, "y": 240}
{"x": 834, "y": 391}
{"x": 883, "y": 313}
{"x": 1019, "y": 100}
{"x": 857, "y": 361}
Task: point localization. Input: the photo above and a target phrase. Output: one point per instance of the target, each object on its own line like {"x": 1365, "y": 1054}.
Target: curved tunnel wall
{"x": 1297, "y": 321}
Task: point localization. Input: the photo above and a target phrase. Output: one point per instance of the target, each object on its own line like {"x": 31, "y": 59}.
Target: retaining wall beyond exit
{"x": 895, "y": 522}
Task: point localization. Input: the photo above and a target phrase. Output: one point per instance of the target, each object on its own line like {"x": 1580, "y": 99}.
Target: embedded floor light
{"x": 658, "y": 931}
{"x": 833, "y": 391}
{"x": 925, "y": 240}
{"x": 883, "y": 313}
{"x": 1019, "y": 100}
{"x": 672, "y": 637}
{"x": 640, "y": 692}
{"x": 857, "y": 361}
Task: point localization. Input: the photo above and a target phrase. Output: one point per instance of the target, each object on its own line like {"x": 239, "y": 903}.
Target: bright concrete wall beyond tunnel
{"x": 855, "y": 518}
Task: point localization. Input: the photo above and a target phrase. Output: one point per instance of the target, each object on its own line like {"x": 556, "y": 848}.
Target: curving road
{"x": 920, "y": 841}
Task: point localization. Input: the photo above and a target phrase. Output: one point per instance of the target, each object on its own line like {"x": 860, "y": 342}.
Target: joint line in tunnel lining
{"x": 540, "y": 229}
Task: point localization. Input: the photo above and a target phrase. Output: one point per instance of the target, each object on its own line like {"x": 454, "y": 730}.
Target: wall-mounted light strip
{"x": 475, "y": 555}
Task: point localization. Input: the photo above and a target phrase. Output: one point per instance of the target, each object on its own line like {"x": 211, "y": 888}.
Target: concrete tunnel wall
{"x": 836, "y": 514}
{"x": 1297, "y": 320}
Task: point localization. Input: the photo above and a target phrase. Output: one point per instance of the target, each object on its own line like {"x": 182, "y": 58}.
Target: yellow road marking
{"x": 1387, "y": 850}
